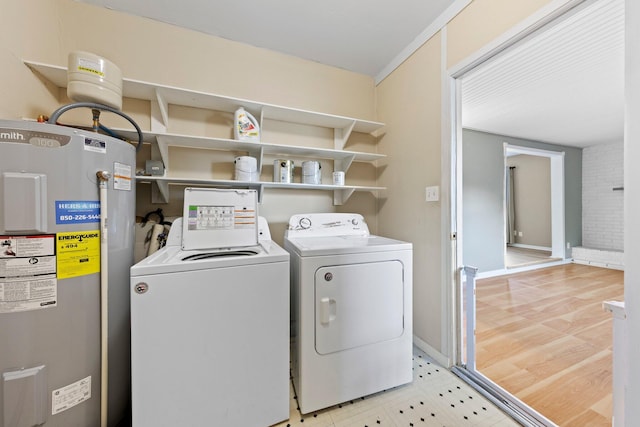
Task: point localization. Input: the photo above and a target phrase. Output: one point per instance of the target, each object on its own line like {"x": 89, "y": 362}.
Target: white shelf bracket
{"x": 164, "y": 108}
{"x": 259, "y": 155}
{"x": 343, "y": 164}
{"x": 260, "y": 192}
{"x": 159, "y": 151}
{"x": 158, "y": 124}
{"x": 163, "y": 148}
{"x": 340, "y": 197}
{"x": 160, "y": 192}
{"x": 341, "y": 135}
{"x": 262, "y": 115}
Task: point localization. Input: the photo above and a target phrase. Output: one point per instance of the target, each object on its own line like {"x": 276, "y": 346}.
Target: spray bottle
{"x": 246, "y": 126}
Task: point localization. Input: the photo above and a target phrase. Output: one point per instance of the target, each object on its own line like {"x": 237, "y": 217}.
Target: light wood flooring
{"x": 544, "y": 337}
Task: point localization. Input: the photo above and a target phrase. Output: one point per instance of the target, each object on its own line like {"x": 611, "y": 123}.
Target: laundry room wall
{"x": 410, "y": 102}
{"x": 164, "y": 54}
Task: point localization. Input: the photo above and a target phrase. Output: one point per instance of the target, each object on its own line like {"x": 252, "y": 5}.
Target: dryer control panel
{"x": 327, "y": 224}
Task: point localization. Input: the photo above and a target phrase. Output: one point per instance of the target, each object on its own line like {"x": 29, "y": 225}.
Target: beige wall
{"x": 532, "y": 199}
{"x": 410, "y": 103}
{"x": 46, "y": 31}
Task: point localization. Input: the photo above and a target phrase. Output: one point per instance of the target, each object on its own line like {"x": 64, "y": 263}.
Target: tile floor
{"x": 436, "y": 397}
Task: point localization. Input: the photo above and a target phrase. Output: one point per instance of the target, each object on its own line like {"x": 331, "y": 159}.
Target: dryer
{"x": 210, "y": 319}
{"x": 351, "y": 309}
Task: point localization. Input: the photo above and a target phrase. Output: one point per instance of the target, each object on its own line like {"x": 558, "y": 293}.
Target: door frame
{"x": 452, "y": 176}
{"x": 452, "y": 158}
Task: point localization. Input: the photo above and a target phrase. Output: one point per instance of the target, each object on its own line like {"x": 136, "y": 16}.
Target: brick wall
{"x": 603, "y": 208}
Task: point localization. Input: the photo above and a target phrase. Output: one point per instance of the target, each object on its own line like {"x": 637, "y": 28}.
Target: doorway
{"x": 534, "y": 206}
{"x": 466, "y": 363}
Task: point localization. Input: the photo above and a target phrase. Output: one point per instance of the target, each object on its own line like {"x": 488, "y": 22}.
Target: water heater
{"x": 50, "y": 275}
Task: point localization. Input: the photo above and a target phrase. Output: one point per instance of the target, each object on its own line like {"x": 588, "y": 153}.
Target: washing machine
{"x": 351, "y": 309}
{"x": 210, "y": 319}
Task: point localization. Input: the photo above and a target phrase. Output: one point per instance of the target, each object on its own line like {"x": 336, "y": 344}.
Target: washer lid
{"x": 335, "y": 245}
{"x": 172, "y": 259}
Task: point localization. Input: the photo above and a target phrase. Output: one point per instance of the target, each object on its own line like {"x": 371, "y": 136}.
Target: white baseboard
{"x": 536, "y": 248}
{"x": 440, "y": 358}
{"x": 504, "y": 271}
{"x": 599, "y": 264}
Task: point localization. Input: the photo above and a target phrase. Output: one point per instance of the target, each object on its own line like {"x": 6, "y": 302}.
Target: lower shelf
{"x": 341, "y": 193}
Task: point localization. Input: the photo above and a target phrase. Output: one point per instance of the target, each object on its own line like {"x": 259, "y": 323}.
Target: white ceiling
{"x": 358, "y": 35}
{"x": 564, "y": 86}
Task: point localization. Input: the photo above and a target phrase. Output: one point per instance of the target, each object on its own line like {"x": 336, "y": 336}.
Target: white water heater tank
{"x": 50, "y": 279}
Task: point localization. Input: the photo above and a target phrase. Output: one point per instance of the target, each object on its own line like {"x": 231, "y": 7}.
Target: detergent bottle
{"x": 246, "y": 126}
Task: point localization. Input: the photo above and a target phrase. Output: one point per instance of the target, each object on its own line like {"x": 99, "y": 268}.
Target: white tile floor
{"x": 436, "y": 397}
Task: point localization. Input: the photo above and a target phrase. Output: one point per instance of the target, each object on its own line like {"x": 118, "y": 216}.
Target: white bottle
{"x": 245, "y": 126}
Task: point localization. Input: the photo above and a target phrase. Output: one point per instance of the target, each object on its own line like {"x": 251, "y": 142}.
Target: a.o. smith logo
{"x": 12, "y": 136}
{"x": 38, "y": 139}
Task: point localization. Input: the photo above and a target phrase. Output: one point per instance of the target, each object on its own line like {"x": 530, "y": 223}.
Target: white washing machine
{"x": 210, "y": 320}
{"x": 351, "y": 309}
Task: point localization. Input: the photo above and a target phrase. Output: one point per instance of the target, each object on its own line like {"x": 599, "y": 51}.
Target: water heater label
{"x": 77, "y": 211}
{"x": 121, "y": 176}
{"x": 95, "y": 145}
{"x": 78, "y": 253}
{"x": 24, "y": 294}
{"x": 67, "y": 397}
{"x": 27, "y": 273}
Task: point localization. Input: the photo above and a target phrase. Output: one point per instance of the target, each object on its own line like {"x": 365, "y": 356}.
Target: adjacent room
{"x": 542, "y": 205}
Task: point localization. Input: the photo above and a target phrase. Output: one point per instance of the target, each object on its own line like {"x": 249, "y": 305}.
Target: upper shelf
{"x": 172, "y": 95}
{"x": 235, "y": 145}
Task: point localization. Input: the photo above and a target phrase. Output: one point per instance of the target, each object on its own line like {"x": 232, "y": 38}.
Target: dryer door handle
{"x": 327, "y": 310}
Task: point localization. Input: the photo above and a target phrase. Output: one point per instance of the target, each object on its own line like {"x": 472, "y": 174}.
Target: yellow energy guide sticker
{"x": 78, "y": 253}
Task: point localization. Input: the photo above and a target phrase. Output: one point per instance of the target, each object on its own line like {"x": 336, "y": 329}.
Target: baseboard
{"x": 599, "y": 264}
{"x": 440, "y": 358}
{"x": 536, "y": 248}
{"x": 605, "y": 258}
{"x": 505, "y": 271}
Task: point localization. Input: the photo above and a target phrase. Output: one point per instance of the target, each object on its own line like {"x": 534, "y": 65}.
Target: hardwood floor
{"x": 544, "y": 337}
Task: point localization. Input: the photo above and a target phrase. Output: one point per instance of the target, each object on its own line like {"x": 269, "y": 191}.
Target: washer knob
{"x": 354, "y": 221}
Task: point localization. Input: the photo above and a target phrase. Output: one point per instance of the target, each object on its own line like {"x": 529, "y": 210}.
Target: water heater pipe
{"x": 103, "y": 179}
{"x": 57, "y": 113}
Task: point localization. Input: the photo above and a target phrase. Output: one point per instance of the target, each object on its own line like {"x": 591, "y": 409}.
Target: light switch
{"x": 433, "y": 194}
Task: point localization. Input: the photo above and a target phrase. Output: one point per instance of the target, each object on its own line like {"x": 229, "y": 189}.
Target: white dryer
{"x": 351, "y": 309}
{"x": 210, "y": 325}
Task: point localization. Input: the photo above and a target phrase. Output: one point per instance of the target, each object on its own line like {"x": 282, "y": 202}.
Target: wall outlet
{"x": 519, "y": 233}
{"x": 433, "y": 194}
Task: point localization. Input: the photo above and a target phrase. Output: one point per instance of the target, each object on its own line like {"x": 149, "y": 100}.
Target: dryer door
{"x": 358, "y": 304}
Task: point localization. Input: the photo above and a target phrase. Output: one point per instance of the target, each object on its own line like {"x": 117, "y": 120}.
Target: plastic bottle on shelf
{"x": 246, "y": 127}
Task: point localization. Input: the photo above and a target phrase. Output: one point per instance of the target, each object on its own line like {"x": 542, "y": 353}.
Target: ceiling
{"x": 564, "y": 85}
{"x": 357, "y": 35}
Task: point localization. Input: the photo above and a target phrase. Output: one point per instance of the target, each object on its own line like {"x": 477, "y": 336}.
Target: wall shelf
{"x": 162, "y": 96}
{"x": 342, "y": 191}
